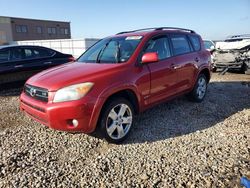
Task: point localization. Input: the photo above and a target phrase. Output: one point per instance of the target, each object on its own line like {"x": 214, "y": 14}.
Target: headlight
{"x": 73, "y": 92}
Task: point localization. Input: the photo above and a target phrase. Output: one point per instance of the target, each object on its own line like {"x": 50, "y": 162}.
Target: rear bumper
{"x": 60, "y": 115}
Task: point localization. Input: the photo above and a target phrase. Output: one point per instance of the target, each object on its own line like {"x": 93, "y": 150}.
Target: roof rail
{"x": 136, "y": 30}
{"x": 175, "y": 28}
{"x": 156, "y": 29}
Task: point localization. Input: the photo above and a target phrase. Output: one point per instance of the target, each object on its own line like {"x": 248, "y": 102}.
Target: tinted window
{"x": 40, "y": 52}
{"x": 4, "y": 55}
{"x": 159, "y": 45}
{"x": 28, "y": 53}
{"x": 16, "y": 54}
{"x": 180, "y": 44}
{"x": 195, "y": 42}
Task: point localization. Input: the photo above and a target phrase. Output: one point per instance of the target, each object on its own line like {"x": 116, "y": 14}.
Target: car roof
{"x": 15, "y": 45}
{"x": 148, "y": 31}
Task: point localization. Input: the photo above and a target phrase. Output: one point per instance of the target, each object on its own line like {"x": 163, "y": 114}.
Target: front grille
{"x": 37, "y": 93}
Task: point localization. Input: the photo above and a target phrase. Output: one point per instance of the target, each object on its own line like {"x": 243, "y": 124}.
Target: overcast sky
{"x": 213, "y": 19}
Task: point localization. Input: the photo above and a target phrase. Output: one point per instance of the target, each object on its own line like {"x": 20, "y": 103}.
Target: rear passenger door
{"x": 186, "y": 58}
{"x": 37, "y": 58}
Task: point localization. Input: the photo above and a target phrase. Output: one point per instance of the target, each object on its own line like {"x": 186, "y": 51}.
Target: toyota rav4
{"x": 117, "y": 78}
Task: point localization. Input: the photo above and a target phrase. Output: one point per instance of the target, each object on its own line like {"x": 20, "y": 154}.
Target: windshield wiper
{"x": 99, "y": 55}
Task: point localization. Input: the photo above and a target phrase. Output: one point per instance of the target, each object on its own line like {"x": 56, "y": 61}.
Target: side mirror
{"x": 150, "y": 57}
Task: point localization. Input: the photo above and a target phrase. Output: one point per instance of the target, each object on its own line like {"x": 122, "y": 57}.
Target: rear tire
{"x": 200, "y": 89}
{"x": 116, "y": 120}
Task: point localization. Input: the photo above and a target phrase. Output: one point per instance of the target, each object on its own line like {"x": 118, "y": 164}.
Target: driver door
{"x": 163, "y": 75}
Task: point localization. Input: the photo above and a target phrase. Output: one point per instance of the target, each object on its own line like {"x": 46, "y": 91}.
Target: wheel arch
{"x": 127, "y": 93}
{"x": 206, "y": 72}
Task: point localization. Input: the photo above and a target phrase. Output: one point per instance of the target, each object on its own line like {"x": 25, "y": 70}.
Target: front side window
{"x": 159, "y": 45}
{"x": 4, "y": 55}
{"x": 114, "y": 50}
{"x": 180, "y": 44}
{"x": 16, "y": 54}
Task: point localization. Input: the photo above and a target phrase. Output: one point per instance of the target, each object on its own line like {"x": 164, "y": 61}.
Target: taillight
{"x": 71, "y": 59}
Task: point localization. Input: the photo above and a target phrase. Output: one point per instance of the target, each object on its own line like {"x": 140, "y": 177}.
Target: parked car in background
{"x": 118, "y": 77}
{"x": 233, "y": 53}
{"x": 20, "y": 62}
{"x": 210, "y": 46}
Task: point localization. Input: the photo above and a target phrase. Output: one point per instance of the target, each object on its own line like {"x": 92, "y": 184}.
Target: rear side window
{"x": 159, "y": 45}
{"x": 40, "y": 52}
{"x": 180, "y": 44}
{"x": 195, "y": 42}
{"x": 4, "y": 55}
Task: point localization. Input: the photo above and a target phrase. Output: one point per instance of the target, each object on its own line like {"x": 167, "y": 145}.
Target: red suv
{"x": 117, "y": 78}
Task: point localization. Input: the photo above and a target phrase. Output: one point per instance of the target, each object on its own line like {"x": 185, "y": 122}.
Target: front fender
{"x": 105, "y": 94}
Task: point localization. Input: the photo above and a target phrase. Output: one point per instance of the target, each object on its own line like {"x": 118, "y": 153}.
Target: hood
{"x": 235, "y": 45}
{"x": 68, "y": 74}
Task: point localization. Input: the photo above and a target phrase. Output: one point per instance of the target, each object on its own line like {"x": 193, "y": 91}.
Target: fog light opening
{"x": 75, "y": 122}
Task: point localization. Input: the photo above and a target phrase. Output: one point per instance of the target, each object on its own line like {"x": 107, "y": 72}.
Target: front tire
{"x": 116, "y": 120}
{"x": 200, "y": 89}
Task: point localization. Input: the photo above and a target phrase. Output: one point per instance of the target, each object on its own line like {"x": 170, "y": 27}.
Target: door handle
{"x": 173, "y": 66}
{"x": 197, "y": 59}
{"x": 18, "y": 66}
{"x": 46, "y": 63}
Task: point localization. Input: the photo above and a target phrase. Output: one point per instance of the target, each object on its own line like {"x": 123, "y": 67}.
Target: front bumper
{"x": 233, "y": 65}
{"x": 60, "y": 115}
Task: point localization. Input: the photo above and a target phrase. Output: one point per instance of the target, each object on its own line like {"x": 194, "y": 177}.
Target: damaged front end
{"x": 232, "y": 55}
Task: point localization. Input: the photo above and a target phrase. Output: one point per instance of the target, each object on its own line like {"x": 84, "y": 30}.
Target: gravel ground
{"x": 176, "y": 144}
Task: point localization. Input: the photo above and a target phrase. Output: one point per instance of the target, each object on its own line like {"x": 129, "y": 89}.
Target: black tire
{"x": 109, "y": 121}
{"x": 196, "y": 94}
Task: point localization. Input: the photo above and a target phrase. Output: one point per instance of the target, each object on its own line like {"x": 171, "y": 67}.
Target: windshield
{"x": 111, "y": 50}
{"x": 208, "y": 44}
